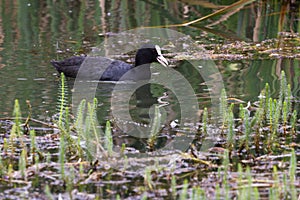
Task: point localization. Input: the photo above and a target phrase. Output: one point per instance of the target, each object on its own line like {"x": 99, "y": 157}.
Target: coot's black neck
{"x": 140, "y": 62}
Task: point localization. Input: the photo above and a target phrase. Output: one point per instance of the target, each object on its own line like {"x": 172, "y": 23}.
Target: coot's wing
{"x": 69, "y": 66}
{"x": 99, "y": 68}
{"x": 84, "y": 67}
{"x": 119, "y": 70}
{"x": 115, "y": 70}
{"x": 93, "y": 68}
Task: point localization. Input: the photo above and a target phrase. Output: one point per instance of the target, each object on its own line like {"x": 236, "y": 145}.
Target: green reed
{"x": 252, "y": 193}
{"x": 148, "y": 178}
{"x": 270, "y": 116}
{"x": 15, "y": 132}
{"x": 33, "y": 147}
{"x": 108, "y": 140}
{"x": 270, "y": 113}
{"x": 155, "y": 128}
{"x": 144, "y": 197}
{"x": 184, "y": 191}
{"x": 17, "y": 116}
{"x": 62, "y": 101}
{"x": 48, "y": 158}
{"x": 36, "y": 161}
{"x": 86, "y": 125}
{"x": 70, "y": 181}
{"x": 294, "y": 121}
{"x": 62, "y": 153}
{"x": 231, "y": 133}
{"x": 275, "y": 123}
{"x": 10, "y": 171}
{"x": 260, "y": 112}
{"x": 5, "y": 145}
{"x": 48, "y": 193}
{"x": 285, "y": 113}
{"x": 247, "y": 131}
{"x": 173, "y": 187}
{"x": 92, "y": 134}
{"x": 198, "y": 193}
{"x": 22, "y": 163}
{"x": 218, "y": 192}
{"x": 241, "y": 189}
{"x": 225, "y": 170}
{"x": 285, "y": 185}
{"x": 2, "y": 166}
{"x": 68, "y": 145}
{"x": 223, "y": 108}
{"x": 79, "y": 120}
{"x": 292, "y": 175}
{"x": 81, "y": 170}
{"x": 242, "y": 112}
{"x": 283, "y": 88}
{"x": 204, "y": 121}
{"x": 274, "y": 192}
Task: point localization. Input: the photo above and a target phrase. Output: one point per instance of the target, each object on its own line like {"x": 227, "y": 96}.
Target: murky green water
{"x": 34, "y": 32}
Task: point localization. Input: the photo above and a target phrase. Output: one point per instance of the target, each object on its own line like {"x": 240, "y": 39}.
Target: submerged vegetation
{"x": 255, "y": 156}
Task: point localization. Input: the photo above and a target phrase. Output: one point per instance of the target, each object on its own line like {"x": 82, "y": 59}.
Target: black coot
{"x": 105, "y": 69}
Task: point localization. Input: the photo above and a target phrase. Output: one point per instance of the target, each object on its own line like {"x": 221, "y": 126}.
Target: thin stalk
{"x": 184, "y": 194}
{"x": 292, "y": 175}
{"x": 155, "y": 127}
{"x": 108, "y": 139}
{"x": 204, "y": 120}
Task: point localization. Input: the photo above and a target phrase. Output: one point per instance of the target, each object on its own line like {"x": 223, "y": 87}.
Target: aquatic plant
{"x": 62, "y": 152}
{"x": 274, "y": 191}
{"x": 108, "y": 139}
{"x": 204, "y": 121}
{"x": 155, "y": 128}
{"x": 231, "y": 132}
{"x": 292, "y": 175}
{"x": 264, "y": 128}
{"x": 293, "y": 121}
{"x": 17, "y": 114}
{"x": 148, "y": 178}
{"x": 79, "y": 120}
{"x": 22, "y": 163}
{"x": 2, "y": 167}
{"x": 62, "y": 102}
{"x": 184, "y": 191}
{"x": 198, "y": 193}
{"x": 245, "y": 140}
{"x": 173, "y": 187}
{"x": 48, "y": 192}
{"x": 70, "y": 181}
{"x": 224, "y": 171}
{"x": 15, "y": 132}
{"x": 223, "y": 108}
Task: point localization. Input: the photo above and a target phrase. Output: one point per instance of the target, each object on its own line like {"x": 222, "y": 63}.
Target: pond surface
{"x": 249, "y": 46}
{"x": 34, "y": 32}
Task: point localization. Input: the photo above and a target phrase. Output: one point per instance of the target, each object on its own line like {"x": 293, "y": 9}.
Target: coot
{"x": 106, "y": 69}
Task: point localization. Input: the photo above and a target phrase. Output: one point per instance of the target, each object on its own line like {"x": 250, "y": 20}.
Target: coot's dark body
{"x": 106, "y": 69}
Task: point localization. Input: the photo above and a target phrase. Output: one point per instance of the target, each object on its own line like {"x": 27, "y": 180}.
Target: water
{"x": 34, "y": 32}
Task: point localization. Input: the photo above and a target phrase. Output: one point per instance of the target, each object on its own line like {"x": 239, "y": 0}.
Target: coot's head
{"x": 148, "y": 54}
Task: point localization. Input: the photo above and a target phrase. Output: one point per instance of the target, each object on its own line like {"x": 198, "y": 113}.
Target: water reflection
{"x": 245, "y": 79}
{"x": 32, "y": 33}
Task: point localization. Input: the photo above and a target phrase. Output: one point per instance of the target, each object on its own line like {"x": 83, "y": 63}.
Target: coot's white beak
{"x": 160, "y": 58}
